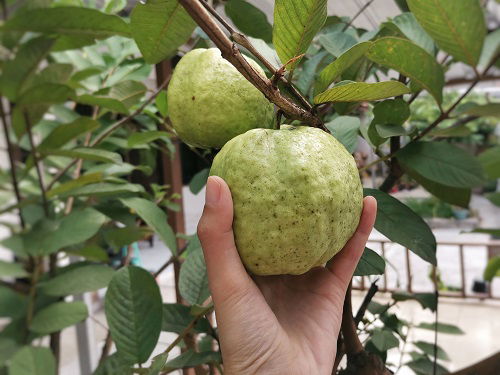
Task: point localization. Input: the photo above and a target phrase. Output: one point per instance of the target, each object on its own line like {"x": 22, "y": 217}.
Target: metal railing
{"x": 361, "y": 283}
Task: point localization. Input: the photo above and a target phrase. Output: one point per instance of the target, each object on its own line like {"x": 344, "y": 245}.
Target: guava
{"x": 210, "y": 102}
{"x": 297, "y": 197}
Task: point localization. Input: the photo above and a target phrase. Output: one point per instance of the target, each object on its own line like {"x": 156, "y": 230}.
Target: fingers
{"x": 226, "y": 273}
{"x": 345, "y": 262}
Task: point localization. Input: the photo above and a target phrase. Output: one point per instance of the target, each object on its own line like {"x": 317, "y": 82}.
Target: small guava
{"x": 297, "y": 197}
{"x": 210, "y": 102}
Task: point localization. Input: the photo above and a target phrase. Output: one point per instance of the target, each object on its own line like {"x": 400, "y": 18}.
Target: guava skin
{"x": 297, "y": 197}
{"x": 210, "y": 102}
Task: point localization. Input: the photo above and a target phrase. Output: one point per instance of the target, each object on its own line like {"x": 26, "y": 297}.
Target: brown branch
{"x": 243, "y": 41}
{"x": 366, "y": 301}
{"x": 351, "y": 340}
{"x": 488, "y": 366}
{"x": 36, "y": 161}
{"x": 169, "y": 262}
{"x": 10, "y": 151}
{"x": 231, "y": 53}
{"x": 359, "y": 12}
{"x": 462, "y": 80}
{"x": 16, "y": 287}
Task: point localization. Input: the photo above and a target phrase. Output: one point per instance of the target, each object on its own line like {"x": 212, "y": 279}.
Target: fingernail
{"x": 212, "y": 194}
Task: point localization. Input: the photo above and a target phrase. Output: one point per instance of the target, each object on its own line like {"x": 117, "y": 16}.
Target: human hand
{"x": 275, "y": 324}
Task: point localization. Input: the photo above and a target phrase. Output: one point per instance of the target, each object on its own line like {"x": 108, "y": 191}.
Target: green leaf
{"x": 199, "y": 180}
{"x": 53, "y": 73}
{"x": 193, "y": 281}
{"x": 78, "y": 280}
{"x": 249, "y": 19}
{"x": 113, "y": 365}
{"x": 72, "y": 229}
{"x": 345, "y": 129}
{"x": 492, "y": 231}
{"x": 159, "y": 27}
{"x": 155, "y": 218}
{"x": 177, "y": 317}
{"x": 86, "y": 153}
{"x": 308, "y": 73}
{"x": 453, "y": 195}
{"x": 12, "y": 304}
{"x": 370, "y": 264}
{"x": 449, "y": 329}
{"x": 71, "y": 185}
{"x": 45, "y": 93}
{"x": 331, "y": 72}
{"x": 494, "y": 198}
{"x": 361, "y": 91}
{"x": 458, "y": 27}
{"x": 400, "y": 224}
{"x": 410, "y": 60}
{"x": 120, "y": 237}
{"x": 490, "y": 48}
{"x": 337, "y": 43}
{"x": 443, "y": 163}
{"x": 146, "y": 137}
{"x": 33, "y": 361}
{"x": 104, "y": 189}
{"x": 8, "y": 347}
{"x": 10, "y": 269}
{"x": 490, "y": 109}
{"x": 102, "y": 101}
{"x": 133, "y": 309}
{"x": 425, "y": 365}
{"x": 492, "y": 269}
{"x": 387, "y": 131}
{"x": 69, "y": 21}
{"x": 384, "y": 339}
{"x": 128, "y": 92}
{"x": 161, "y": 103}
{"x": 91, "y": 252}
{"x": 296, "y": 22}
{"x": 67, "y": 132}
{"x": 58, "y": 316}
{"x": 428, "y": 348}
{"x": 19, "y": 70}
{"x": 490, "y": 160}
{"x": 190, "y": 358}
{"x": 407, "y": 24}
{"x": 115, "y": 6}
{"x": 426, "y": 300}
{"x": 157, "y": 364}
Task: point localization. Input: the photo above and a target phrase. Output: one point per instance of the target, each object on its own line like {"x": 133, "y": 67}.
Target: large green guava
{"x": 210, "y": 102}
{"x": 297, "y": 197}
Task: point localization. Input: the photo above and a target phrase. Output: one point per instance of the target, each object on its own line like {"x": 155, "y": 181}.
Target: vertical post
{"x": 462, "y": 269}
{"x": 408, "y": 271}
{"x": 382, "y": 244}
{"x": 172, "y": 176}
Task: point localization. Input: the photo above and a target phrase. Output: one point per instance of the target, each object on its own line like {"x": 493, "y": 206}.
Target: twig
{"x": 359, "y": 12}
{"x": 10, "y": 151}
{"x": 32, "y": 292}
{"x": 169, "y": 262}
{"x": 243, "y": 41}
{"x": 366, "y": 301}
{"x": 351, "y": 340}
{"x": 16, "y": 287}
{"x": 231, "y": 53}
{"x": 36, "y": 161}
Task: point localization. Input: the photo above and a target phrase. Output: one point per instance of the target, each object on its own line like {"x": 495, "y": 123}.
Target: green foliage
{"x": 457, "y": 28}
{"x": 296, "y": 23}
{"x": 159, "y": 27}
{"x": 134, "y": 312}
{"x": 73, "y": 72}
{"x": 58, "y": 316}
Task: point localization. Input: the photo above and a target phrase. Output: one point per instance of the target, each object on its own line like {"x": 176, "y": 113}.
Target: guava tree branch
{"x": 10, "y": 151}
{"x": 232, "y": 54}
{"x": 366, "y": 301}
{"x": 488, "y": 366}
{"x": 243, "y": 41}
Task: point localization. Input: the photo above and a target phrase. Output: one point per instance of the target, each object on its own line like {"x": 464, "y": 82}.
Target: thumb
{"x": 227, "y": 276}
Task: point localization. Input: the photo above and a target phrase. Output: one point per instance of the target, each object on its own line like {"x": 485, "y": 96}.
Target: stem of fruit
{"x": 231, "y": 53}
